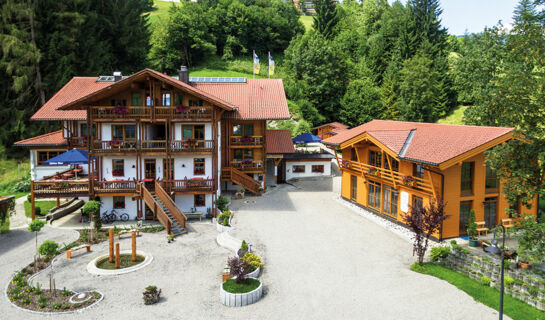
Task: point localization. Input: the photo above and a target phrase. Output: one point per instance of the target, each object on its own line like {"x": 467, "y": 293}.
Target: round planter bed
{"x": 94, "y": 269}
{"x": 232, "y": 299}
{"x": 254, "y": 274}
{"x": 222, "y": 228}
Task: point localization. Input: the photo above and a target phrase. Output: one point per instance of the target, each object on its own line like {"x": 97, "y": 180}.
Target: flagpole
{"x": 269, "y": 64}
{"x": 253, "y": 63}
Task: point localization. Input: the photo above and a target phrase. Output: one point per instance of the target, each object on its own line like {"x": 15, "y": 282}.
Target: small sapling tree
{"x": 424, "y": 222}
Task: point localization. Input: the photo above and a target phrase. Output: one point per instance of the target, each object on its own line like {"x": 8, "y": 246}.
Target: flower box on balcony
{"x": 121, "y": 110}
{"x": 345, "y": 164}
{"x": 247, "y": 162}
{"x": 182, "y": 109}
{"x": 117, "y": 173}
{"x": 408, "y": 181}
{"x": 373, "y": 172}
{"x": 247, "y": 139}
{"x": 115, "y": 143}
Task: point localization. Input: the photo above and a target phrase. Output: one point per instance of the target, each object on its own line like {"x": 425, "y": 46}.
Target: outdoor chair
{"x": 481, "y": 228}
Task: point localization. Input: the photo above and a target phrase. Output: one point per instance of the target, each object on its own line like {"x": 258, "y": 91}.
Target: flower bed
{"x": 224, "y": 221}
{"x": 34, "y": 298}
{"x": 238, "y": 295}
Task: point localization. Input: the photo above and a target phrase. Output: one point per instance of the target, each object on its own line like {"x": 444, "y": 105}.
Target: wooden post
{"x": 32, "y": 204}
{"x": 111, "y": 235}
{"x": 58, "y": 202}
{"x": 133, "y": 246}
{"x": 117, "y": 258}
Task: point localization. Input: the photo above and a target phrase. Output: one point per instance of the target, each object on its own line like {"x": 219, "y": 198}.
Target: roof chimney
{"x": 117, "y": 75}
{"x": 183, "y": 74}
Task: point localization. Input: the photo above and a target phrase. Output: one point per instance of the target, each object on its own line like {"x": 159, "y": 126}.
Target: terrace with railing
{"x": 248, "y": 165}
{"x": 189, "y": 145}
{"x": 189, "y": 185}
{"x": 389, "y": 176}
{"x": 247, "y": 141}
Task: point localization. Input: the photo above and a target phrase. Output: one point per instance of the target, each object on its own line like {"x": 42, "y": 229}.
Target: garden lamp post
{"x": 493, "y": 248}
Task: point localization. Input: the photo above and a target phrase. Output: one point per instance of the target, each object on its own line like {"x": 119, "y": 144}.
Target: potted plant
{"x": 121, "y": 109}
{"x": 472, "y": 229}
{"x": 373, "y": 171}
{"x": 247, "y": 139}
{"x": 170, "y": 238}
{"x": 182, "y": 109}
{"x": 524, "y": 260}
{"x": 408, "y": 181}
{"x": 345, "y": 164}
{"x": 151, "y": 295}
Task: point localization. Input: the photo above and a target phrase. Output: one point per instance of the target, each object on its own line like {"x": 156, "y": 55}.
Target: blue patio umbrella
{"x": 70, "y": 157}
{"x": 306, "y": 138}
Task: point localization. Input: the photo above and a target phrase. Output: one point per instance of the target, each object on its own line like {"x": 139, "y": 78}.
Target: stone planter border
{"x": 93, "y": 269}
{"x": 254, "y": 274}
{"x": 222, "y": 228}
{"x": 241, "y": 299}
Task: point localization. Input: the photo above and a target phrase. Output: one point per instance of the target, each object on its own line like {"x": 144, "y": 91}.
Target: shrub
{"x": 221, "y": 203}
{"x": 57, "y": 306}
{"x": 239, "y": 270}
{"x": 223, "y": 218}
{"x": 254, "y": 261}
{"x": 151, "y": 288}
{"x": 485, "y": 281}
{"x": 508, "y": 281}
{"x": 38, "y": 211}
{"x": 36, "y": 225}
{"x": 532, "y": 290}
{"x": 92, "y": 207}
{"x": 471, "y": 225}
{"x": 243, "y": 249}
{"x": 66, "y": 293}
{"x": 439, "y": 253}
{"x": 48, "y": 248}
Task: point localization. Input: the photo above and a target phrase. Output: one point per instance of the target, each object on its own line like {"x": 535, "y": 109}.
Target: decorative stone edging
{"x": 254, "y": 274}
{"x": 52, "y": 313}
{"x": 241, "y": 299}
{"x": 222, "y": 228}
{"x": 93, "y": 269}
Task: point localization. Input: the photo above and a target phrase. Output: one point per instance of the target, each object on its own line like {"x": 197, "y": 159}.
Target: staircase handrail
{"x": 170, "y": 204}
{"x": 150, "y": 201}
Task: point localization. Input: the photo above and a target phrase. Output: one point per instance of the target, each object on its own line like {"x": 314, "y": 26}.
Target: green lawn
{"x": 489, "y": 296}
{"x": 238, "y": 67}
{"x": 11, "y": 172}
{"x": 307, "y": 22}
{"x": 44, "y": 206}
{"x": 161, "y": 10}
{"x": 455, "y": 117}
{"x": 4, "y": 227}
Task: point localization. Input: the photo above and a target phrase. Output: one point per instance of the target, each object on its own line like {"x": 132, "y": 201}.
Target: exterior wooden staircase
{"x": 238, "y": 177}
{"x": 164, "y": 208}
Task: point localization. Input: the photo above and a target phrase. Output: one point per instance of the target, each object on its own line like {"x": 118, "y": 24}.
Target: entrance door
{"x": 168, "y": 169}
{"x": 149, "y": 173}
{"x": 281, "y": 173}
{"x": 490, "y": 208}
{"x": 353, "y": 187}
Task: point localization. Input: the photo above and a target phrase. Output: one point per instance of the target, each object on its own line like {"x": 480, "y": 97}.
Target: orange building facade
{"x": 389, "y": 166}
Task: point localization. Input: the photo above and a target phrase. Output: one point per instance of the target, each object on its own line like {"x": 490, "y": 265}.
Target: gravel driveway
{"x": 323, "y": 261}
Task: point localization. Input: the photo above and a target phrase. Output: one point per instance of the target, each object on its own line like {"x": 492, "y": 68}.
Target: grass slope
{"x": 4, "y": 227}
{"x": 160, "y": 11}
{"x": 238, "y": 67}
{"x": 307, "y": 22}
{"x": 488, "y": 296}
{"x": 12, "y": 171}
{"x": 455, "y": 117}
{"x": 44, "y": 206}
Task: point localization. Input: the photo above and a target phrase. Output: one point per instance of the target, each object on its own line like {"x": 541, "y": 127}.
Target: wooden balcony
{"x": 195, "y": 185}
{"x": 245, "y": 165}
{"x": 78, "y": 142}
{"x": 246, "y": 141}
{"x": 115, "y": 146}
{"x": 192, "y": 145}
{"x": 393, "y": 177}
{"x": 153, "y": 145}
{"x": 148, "y": 113}
{"x": 115, "y": 186}
{"x": 53, "y": 189}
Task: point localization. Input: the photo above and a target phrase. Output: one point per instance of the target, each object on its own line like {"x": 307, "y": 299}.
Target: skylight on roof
{"x": 217, "y": 80}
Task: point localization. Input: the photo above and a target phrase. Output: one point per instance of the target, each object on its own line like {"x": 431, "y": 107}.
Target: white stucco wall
{"x": 183, "y": 167}
{"x": 186, "y": 201}
{"x": 178, "y": 130}
{"x": 130, "y": 207}
{"x": 308, "y": 169}
{"x": 129, "y": 162}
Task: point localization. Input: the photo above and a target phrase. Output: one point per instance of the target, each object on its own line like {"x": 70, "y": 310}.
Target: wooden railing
{"x": 109, "y": 112}
{"x": 155, "y": 207}
{"x": 247, "y": 140}
{"x": 248, "y": 165}
{"x": 188, "y": 185}
{"x": 115, "y": 186}
{"x": 114, "y": 146}
{"x": 386, "y": 175}
{"x": 240, "y": 178}
{"x": 190, "y": 113}
{"x": 153, "y": 145}
{"x": 192, "y": 146}
{"x": 170, "y": 205}
{"x": 61, "y": 188}
{"x": 78, "y": 142}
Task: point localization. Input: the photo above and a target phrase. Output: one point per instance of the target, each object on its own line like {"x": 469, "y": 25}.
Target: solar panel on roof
{"x": 217, "y": 79}
{"x": 105, "y": 79}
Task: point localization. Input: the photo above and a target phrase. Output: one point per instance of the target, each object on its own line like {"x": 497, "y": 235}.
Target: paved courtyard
{"x": 323, "y": 261}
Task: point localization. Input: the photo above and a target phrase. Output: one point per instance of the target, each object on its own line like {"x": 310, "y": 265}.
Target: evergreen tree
{"x": 326, "y": 17}
{"x": 361, "y": 102}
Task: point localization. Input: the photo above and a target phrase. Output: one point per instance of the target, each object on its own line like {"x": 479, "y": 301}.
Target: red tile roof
{"x": 426, "y": 142}
{"x": 75, "y": 89}
{"x": 48, "y": 139}
{"x": 334, "y": 125}
{"x": 257, "y": 99}
{"x": 279, "y": 141}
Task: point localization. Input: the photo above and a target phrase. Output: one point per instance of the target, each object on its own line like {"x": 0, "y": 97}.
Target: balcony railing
{"x": 192, "y": 145}
{"x": 186, "y": 185}
{"x": 388, "y": 176}
{"x": 110, "y": 146}
{"x": 153, "y": 145}
{"x": 78, "y": 142}
{"x": 60, "y": 188}
{"x": 246, "y": 165}
{"x": 115, "y": 186}
{"x": 157, "y": 112}
{"x": 247, "y": 140}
